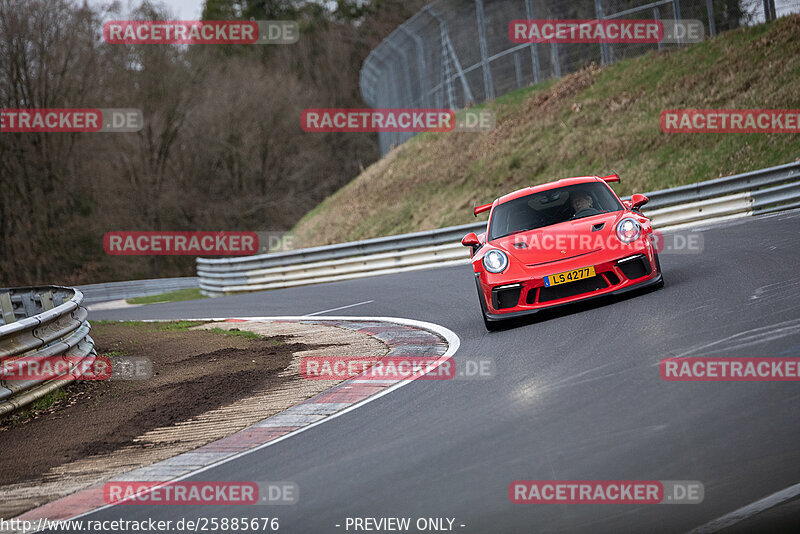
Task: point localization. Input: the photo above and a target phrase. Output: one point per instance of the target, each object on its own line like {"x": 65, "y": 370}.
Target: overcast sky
{"x": 182, "y": 9}
{"x": 186, "y": 9}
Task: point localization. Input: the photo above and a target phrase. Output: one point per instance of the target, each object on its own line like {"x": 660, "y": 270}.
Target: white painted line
{"x": 339, "y": 308}
{"x": 453, "y": 343}
{"x": 746, "y": 512}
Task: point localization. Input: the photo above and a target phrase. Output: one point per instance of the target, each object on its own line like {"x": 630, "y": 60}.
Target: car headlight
{"x": 628, "y": 230}
{"x": 495, "y": 261}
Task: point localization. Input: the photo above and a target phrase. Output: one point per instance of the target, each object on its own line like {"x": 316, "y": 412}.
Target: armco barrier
{"x": 46, "y": 324}
{"x": 134, "y": 288}
{"x": 756, "y": 192}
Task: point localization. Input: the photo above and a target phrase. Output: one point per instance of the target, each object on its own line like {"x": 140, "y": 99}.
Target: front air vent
{"x": 634, "y": 267}
{"x": 506, "y": 296}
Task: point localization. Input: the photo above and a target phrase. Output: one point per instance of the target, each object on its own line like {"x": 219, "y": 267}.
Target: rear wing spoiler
{"x": 480, "y": 209}
{"x": 610, "y": 178}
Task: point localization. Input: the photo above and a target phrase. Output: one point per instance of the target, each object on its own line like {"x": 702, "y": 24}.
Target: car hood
{"x": 564, "y": 240}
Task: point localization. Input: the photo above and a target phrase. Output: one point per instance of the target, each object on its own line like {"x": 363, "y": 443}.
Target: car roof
{"x": 549, "y": 185}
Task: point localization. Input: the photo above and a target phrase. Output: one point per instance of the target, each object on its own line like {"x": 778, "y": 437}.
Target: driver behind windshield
{"x": 581, "y": 201}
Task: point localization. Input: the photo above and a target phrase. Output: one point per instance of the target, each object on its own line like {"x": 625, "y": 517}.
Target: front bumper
{"x": 521, "y": 291}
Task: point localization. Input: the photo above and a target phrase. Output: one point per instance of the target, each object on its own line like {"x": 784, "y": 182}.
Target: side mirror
{"x": 470, "y": 240}
{"x": 637, "y": 201}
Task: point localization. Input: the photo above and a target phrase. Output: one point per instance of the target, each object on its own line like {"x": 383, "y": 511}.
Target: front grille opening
{"x": 505, "y": 298}
{"x": 572, "y": 289}
{"x": 531, "y": 298}
{"x": 613, "y": 279}
{"x": 634, "y": 269}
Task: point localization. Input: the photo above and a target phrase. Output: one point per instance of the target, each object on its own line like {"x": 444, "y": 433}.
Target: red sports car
{"x": 559, "y": 243}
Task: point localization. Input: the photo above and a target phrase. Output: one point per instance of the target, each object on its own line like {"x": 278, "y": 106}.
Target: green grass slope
{"x": 595, "y": 121}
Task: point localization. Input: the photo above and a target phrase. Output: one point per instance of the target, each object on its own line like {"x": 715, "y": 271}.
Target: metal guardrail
{"x": 761, "y": 191}
{"x": 45, "y": 324}
{"x": 135, "y": 288}
{"x": 728, "y": 185}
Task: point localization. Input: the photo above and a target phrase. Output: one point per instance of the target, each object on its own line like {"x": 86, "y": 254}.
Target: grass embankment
{"x": 595, "y": 121}
{"x": 173, "y": 296}
{"x": 178, "y": 326}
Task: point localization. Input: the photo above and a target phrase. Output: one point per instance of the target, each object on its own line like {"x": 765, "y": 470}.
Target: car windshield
{"x": 553, "y": 206}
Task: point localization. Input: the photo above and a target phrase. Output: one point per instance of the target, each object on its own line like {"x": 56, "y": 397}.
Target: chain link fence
{"x": 454, "y": 53}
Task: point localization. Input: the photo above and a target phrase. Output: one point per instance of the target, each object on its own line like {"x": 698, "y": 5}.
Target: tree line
{"x": 221, "y": 147}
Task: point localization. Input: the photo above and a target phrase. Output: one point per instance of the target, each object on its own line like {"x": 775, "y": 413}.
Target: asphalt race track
{"x": 577, "y": 396}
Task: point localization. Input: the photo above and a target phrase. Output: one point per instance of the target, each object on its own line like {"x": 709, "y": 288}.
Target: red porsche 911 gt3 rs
{"x": 558, "y": 243}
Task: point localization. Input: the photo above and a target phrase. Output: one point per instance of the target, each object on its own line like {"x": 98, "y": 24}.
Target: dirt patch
{"x": 208, "y": 385}
{"x": 192, "y": 374}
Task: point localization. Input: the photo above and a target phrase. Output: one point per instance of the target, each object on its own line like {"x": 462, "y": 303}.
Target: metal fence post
{"x": 657, "y": 16}
{"x": 604, "y": 51}
{"x": 396, "y": 100}
{"x": 555, "y": 59}
{"x": 390, "y": 99}
{"x": 712, "y": 24}
{"x": 378, "y": 103}
{"x": 406, "y": 70}
{"x": 769, "y": 10}
{"x": 537, "y": 73}
{"x": 518, "y": 70}
{"x": 382, "y": 75}
{"x": 448, "y": 78}
{"x": 488, "y": 86}
{"x": 422, "y": 67}
{"x": 384, "y": 101}
{"x": 676, "y": 14}
{"x": 449, "y": 54}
